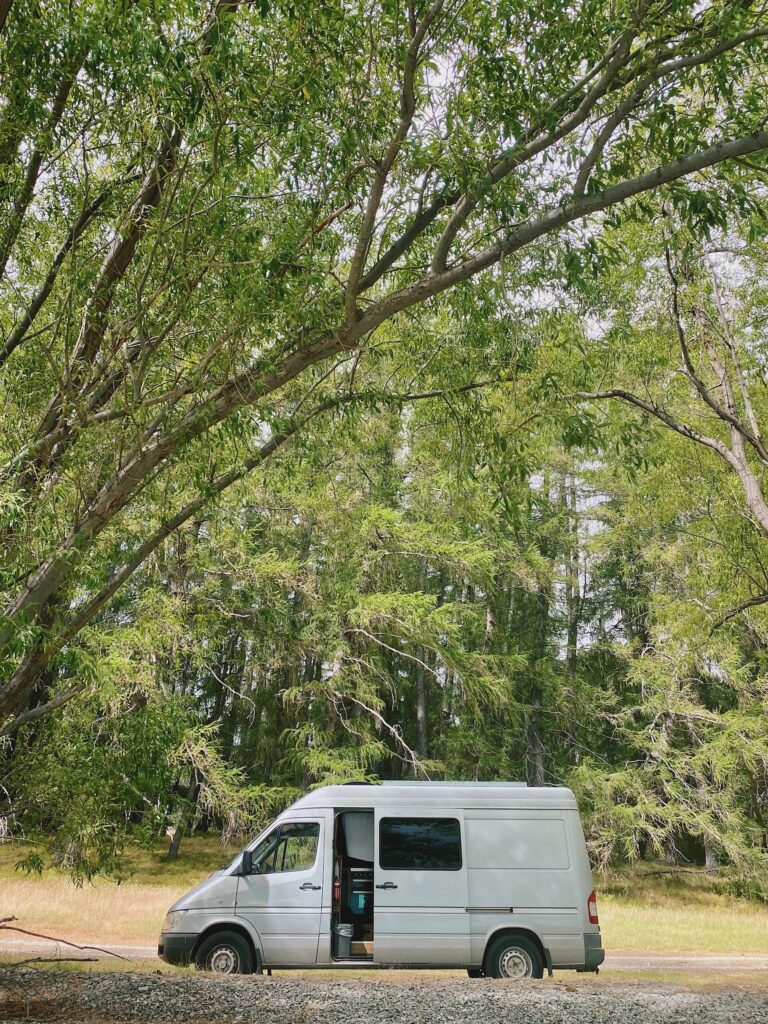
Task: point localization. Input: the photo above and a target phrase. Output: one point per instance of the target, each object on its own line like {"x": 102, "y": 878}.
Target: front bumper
{"x": 176, "y": 947}
{"x": 594, "y": 954}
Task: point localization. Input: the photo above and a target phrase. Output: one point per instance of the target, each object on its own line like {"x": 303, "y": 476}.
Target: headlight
{"x": 172, "y": 919}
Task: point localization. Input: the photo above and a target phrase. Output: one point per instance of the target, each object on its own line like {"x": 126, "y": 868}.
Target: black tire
{"x": 514, "y": 957}
{"x": 224, "y": 953}
{"x": 475, "y": 972}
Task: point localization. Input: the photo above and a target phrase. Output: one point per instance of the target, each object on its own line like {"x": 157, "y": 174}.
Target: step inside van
{"x": 491, "y": 877}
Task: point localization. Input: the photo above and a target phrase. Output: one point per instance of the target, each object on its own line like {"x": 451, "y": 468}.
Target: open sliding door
{"x": 420, "y": 887}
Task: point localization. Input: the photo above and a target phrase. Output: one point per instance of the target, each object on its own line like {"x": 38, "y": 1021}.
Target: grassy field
{"x": 640, "y": 910}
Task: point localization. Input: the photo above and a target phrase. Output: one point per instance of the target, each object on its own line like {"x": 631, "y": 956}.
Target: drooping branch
{"x": 754, "y": 497}
{"x": 411, "y": 755}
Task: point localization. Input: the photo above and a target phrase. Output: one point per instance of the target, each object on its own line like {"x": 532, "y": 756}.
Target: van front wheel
{"x": 514, "y": 957}
{"x": 224, "y": 953}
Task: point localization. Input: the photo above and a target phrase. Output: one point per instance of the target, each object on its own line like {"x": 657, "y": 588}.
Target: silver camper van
{"x": 488, "y": 876}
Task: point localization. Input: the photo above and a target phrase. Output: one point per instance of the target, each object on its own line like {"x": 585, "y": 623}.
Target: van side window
{"x": 420, "y": 844}
{"x": 291, "y": 848}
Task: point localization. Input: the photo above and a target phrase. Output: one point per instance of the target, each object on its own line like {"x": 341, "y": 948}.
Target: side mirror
{"x": 246, "y": 865}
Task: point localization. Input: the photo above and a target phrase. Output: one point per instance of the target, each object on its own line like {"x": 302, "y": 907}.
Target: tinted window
{"x": 422, "y": 844}
{"x": 290, "y": 848}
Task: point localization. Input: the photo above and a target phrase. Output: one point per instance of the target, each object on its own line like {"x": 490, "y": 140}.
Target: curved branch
{"x": 726, "y": 413}
{"x": 735, "y": 457}
{"x": 573, "y": 209}
{"x": 751, "y": 602}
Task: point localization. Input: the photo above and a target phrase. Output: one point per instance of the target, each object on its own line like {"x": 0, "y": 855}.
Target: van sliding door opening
{"x": 352, "y": 918}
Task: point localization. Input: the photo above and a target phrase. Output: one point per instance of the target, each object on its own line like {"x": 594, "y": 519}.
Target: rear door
{"x": 282, "y": 899}
{"x": 420, "y": 887}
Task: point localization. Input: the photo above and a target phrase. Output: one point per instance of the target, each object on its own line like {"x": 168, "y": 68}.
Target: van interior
{"x": 352, "y": 910}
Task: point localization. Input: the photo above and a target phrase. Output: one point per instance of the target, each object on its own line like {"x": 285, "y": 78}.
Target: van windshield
{"x": 292, "y": 847}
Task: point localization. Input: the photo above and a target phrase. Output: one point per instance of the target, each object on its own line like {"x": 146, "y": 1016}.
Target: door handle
{"x": 386, "y": 885}
{"x": 309, "y": 885}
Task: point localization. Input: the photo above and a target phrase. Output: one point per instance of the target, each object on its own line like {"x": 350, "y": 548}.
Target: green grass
{"x": 646, "y": 909}
{"x": 641, "y": 910}
{"x": 199, "y": 855}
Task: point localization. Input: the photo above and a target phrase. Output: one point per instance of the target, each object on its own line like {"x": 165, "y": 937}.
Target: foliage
{"x": 344, "y": 431}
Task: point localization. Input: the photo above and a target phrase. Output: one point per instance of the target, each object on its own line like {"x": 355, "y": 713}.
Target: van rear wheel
{"x": 224, "y": 953}
{"x": 514, "y": 957}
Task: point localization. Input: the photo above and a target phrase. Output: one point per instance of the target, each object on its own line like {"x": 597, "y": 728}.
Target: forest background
{"x": 382, "y": 392}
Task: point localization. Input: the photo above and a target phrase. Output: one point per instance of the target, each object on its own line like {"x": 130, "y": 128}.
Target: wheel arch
{"x": 230, "y": 926}
{"x": 524, "y": 932}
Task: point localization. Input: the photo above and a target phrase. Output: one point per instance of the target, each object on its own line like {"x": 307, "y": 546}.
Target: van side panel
{"x": 524, "y": 873}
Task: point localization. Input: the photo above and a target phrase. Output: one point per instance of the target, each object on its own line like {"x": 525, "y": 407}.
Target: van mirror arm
{"x": 246, "y": 864}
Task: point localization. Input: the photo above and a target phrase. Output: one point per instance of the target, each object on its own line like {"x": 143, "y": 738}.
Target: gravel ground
{"x": 33, "y": 996}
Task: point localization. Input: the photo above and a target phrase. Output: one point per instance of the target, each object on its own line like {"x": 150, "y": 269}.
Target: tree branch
{"x": 35, "y": 164}
{"x": 572, "y": 209}
{"x": 751, "y": 602}
{"x": 521, "y": 154}
{"x": 728, "y": 413}
{"x": 121, "y": 253}
{"x": 384, "y": 166}
{"x": 74, "y": 234}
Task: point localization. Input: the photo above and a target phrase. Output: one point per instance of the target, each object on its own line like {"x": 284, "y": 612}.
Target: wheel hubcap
{"x": 224, "y": 960}
{"x": 515, "y": 963}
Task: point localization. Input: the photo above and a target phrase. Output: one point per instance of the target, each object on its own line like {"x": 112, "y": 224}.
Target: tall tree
{"x": 235, "y": 205}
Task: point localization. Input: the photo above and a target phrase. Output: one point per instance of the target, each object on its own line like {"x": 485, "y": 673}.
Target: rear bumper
{"x": 176, "y": 948}
{"x": 594, "y": 954}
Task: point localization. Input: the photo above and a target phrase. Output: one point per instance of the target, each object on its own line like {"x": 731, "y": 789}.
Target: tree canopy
{"x": 339, "y": 342}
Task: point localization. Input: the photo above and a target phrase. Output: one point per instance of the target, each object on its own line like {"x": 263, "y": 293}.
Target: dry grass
{"x": 129, "y": 914}
{"x": 735, "y": 928}
{"x": 639, "y": 912}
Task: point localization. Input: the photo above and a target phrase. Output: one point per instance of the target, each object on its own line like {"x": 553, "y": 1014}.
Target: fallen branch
{"x": 682, "y": 871}
{"x": 16, "y": 964}
{"x": 5, "y": 926}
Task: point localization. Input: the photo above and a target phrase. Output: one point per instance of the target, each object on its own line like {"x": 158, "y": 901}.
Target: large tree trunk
{"x": 422, "y": 738}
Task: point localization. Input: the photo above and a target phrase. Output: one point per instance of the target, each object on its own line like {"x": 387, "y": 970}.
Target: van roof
{"x": 439, "y": 794}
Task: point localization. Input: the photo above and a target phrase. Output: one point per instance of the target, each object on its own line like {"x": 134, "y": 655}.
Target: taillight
{"x": 592, "y": 908}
